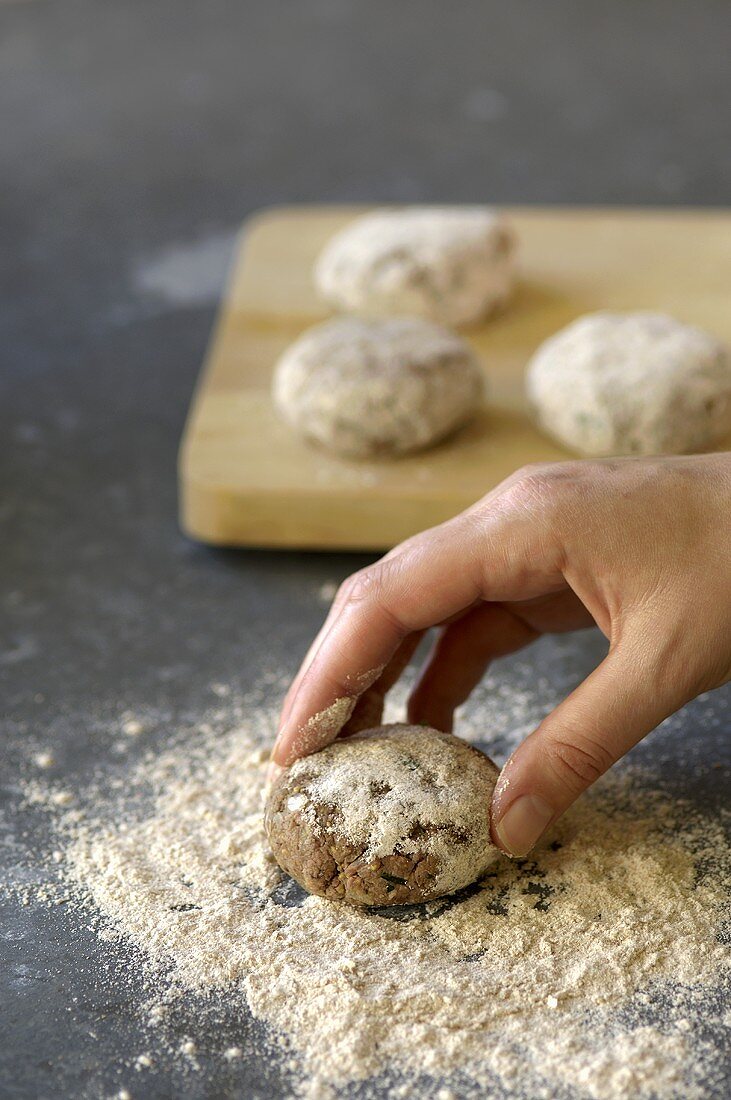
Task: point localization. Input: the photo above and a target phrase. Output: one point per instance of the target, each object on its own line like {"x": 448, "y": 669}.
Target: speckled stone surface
{"x": 136, "y": 136}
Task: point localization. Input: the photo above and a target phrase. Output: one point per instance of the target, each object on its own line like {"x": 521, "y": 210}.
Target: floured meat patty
{"x": 392, "y": 815}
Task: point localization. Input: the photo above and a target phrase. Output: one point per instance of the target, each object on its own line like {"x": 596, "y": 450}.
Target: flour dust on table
{"x": 584, "y": 971}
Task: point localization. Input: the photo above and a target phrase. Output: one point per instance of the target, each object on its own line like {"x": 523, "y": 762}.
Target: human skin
{"x": 641, "y": 548}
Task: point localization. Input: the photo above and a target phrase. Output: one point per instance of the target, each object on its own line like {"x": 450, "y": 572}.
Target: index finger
{"x": 488, "y": 553}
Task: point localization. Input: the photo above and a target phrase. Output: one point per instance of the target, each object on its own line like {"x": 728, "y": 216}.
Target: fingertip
{"x": 302, "y": 738}
{"x": 277, "y": 755}
{"x": 273, "y": 772}
{"x": 519, "y": 815}
{"x": 522, "y": 824}
{"x": 284, "y": 753}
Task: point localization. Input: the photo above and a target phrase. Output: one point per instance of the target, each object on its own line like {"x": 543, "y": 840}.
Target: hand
{"x": 642, "y": 548}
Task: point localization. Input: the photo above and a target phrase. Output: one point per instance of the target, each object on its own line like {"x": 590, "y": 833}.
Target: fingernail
{"x": 273, "y": 771}
{"x": 523, "y": 823}
{"x": 274, "y": 762}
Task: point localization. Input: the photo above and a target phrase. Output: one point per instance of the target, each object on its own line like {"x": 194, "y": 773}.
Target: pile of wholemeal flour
{"x": 547, "y": 979}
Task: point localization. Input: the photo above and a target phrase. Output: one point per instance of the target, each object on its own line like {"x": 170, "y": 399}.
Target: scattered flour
{"x": 44, "y": 759}
{"x": 132, "y": 727}
{"x": 595, "y": 969}
{"x": 187, "y": 273}
{"x": 327, "y": 591}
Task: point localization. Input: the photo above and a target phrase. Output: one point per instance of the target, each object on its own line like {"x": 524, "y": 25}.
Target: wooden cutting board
{"x": 247, "y": 480}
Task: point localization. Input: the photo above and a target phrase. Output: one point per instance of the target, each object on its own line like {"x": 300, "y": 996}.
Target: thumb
{"x": 613, "y": 709}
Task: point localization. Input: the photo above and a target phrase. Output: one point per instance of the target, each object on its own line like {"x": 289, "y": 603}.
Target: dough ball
{"x": 366, "y": 388}
{"x": 392, "y": 815}
{"x": 448, "y": 264}
{"x": 631, "y": 384}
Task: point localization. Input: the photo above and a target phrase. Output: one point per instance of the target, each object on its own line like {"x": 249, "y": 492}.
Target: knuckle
{"x": 535, "y": 469}
{"x": 541, "y": 485}
{"x": 371, "y": 585}
{"x": 378, "y": 590}
{"x": 343, "y": 592}
{"x": 577, "y": 762}
{"x": 359, "y": 586}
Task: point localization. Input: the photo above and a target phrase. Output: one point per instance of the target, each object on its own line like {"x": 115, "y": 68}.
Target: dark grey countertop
{"x": 136, "y": 136}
